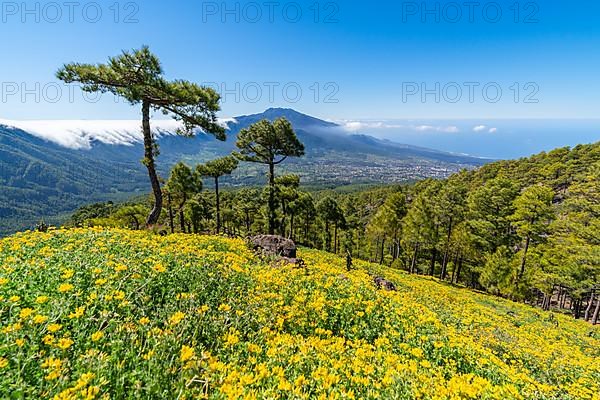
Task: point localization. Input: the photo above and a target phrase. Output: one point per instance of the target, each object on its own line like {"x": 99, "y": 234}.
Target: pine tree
{"x": 216, "y": 169}
{"x": 182, "y": 185}
{"x": 137, "y": 76}
{"x": 270, "y": 144}
{"x": 532, "y": 216}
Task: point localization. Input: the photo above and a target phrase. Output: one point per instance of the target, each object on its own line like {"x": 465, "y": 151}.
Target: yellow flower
{"x": 231, "y": 339}
{"x": 65, "y": 287}
{"x": 119, "y": 295}
{"x": 203, "y": 310}
{"x": 14, "y": 299}
{"x": 3, "y": 362}
{"x": 41, "y": 299}
{"x": 300, "y": 381}
{"x": 253, "y": 348}
{"x": 53, "y": 375}
{"x": 284, "y": 385}
{"x": 100, "y": 282}
{"x": 54, "y": 328}
{"x": 54, "y": 365}
{"x": 225, "y": 307}
{"x": 4, "y": 281}
{"x": 52, "y": 362}
{"x": 120, "y": 268}
{"x": 159, "y": 268}
{"x": 64, "y": 343}
{"x": 67, "y": 274}
{"x": 12, "y": 328}
{"x": 417, "y": 352}
{"x": 48, "y": 340}
{"x": 40, "y": 319}
{"x": 79, "y": 311}
{"x": 20, "y": 342}
{"x": 144, "y": 321}
{"x": 97, "y": 336}
{"x": 187, "y": 353}
{"x": 26, "y": 313}
{"x": 148, "y": 355}
{"x": 176, "y": 318}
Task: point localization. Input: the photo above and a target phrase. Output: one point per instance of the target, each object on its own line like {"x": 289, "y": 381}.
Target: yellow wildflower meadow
{"x": 126, "y": 314}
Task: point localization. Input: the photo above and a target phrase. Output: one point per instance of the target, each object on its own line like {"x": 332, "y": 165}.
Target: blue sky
{"x": 419, "y": 72}
{"x": 351, "y": 60}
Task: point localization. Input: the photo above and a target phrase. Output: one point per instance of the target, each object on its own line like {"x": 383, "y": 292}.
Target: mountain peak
{"x": 295, "y": 117}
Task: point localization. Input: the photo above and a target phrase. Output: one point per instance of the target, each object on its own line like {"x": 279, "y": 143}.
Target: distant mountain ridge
{"x": 48, "y": 173}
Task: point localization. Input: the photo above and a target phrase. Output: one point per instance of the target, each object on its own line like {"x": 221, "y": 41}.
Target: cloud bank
{"x": 80, "y": 134}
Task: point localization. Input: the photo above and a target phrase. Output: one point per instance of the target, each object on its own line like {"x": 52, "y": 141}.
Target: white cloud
{"x": 445, "y": 129}
{"x": 355, "y": 126}
{"x": 493, "y": 130}
{"x": 479, "y": 128}
{"x": 79, "y": 134}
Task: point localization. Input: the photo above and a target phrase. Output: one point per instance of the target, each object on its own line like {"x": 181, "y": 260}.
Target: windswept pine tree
{"x": 137, "y": 76}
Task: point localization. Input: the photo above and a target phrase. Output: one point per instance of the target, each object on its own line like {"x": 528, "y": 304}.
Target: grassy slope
{"x": 130, "y": 315}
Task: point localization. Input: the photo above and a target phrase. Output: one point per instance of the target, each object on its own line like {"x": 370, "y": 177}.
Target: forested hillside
{"x": 40, "y": 179}
{"x": 524, "y": 229}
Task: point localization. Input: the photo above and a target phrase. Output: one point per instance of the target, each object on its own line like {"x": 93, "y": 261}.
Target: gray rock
{"x": 384, "y": 284}
{"x": 274, "y": 246}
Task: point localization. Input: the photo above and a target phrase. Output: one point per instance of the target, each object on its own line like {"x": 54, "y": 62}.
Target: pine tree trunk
{"x": 432, "y": 266}
{"x": 283, "y": 223}
{"x": 335, "y": 238}
{"x": 577, "y": 309}
{"x": 460, "y": 264}
{"x": 559, "y": 300}
{"x": 327, "y": 237}
{"x": 588, "y": 310}
{"x": 454, "y": 267}
{"x": 271, "y": 198}
{"x": 182, "y": 220}
{"x": 306, "y": 228}
{"x": 181, "y": 215}
{"x": 171, "y": 216}
{"x": 291, "y": 227}
{"x": 218, "y": 204}
{"x": 150, "y": 165}
{"x": 522, "y": 272}
{"x": 413, "y": 264}
{"x": 564, "y": 299}
{"x": 382, "y": 251}
{"x": 596, "y": 313}
{"x": 374, "y": 256}
{"x": 446, "y": 251}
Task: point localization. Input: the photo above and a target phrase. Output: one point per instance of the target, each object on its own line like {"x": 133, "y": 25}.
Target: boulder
{"x": 274, "y": 245}
{"x": 384, "y": 284}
